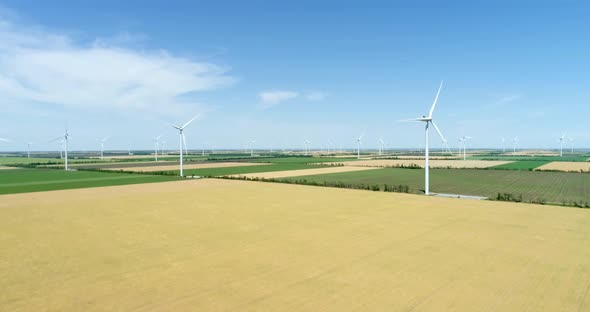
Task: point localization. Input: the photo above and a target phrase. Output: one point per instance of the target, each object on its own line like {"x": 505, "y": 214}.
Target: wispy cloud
{"x": 272, "y": 98}
{"x": 38, "y": 66}
{"x": 316, "y": 96}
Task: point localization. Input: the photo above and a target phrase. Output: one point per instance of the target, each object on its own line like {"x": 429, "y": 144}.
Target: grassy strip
{"x": 37, "y": 180}
{"x": 520, "y": 165}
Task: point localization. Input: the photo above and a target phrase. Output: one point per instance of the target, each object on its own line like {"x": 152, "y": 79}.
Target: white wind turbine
{"x": 359, "y": 141}
{"x": 252, "y": 148}
{"x": 66, "y": 138}
{"x": 561, "y": 138}
{"x": 181, "y": 135}
{"x": 381, "y": 145}
{"x": 29, "y": 149}
{"x": 102, "y": 146}
{"x": 129, "y": 149}
{"x": 503, "y": 145}
{"x": 156, "y": 145}
{"x": 428, "y": 120}
{"x": 463, "y": 141}
{"x": 571, "y": 144}
{"x": 306, "y": 143}
{"x": 515, "y": 143}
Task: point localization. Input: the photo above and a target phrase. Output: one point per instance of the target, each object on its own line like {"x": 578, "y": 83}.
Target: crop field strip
{"x": 38, "y": 180}
{"x": 420, "y": 163}
{"x": 187, "y": 166}
{"x": 219, "y": 245}
{"x": 521, "y": 165}
{"x": 302, "y": 172}
{"x": 557, "y": 187}
{"x": 566, "y": 166}
{"x": 216, "y": 172}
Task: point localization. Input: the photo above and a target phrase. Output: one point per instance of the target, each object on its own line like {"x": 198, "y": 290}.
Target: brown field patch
{"x": 221, "y": 245}
{"x": 568, "y": 166}
{"x": 186, "y": 166}
{"x": 433, "y": 163}
{"x": 300, "y": 172}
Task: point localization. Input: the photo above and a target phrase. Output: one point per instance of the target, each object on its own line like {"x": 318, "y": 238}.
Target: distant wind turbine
{"x": 252, "y": 148}
{"x": 503, "y": 145}
{"x": 381, "y": 145}
{"x": 156, "y": 145}
{"x": 515, "y": 143}
{"x": 102, "y": 146}
{"x": 66, "y": 137}
{"x": 428, "y": 120}
{"x": 359, "y": 141}
{"x": 181, "y": 135}
{"x": 463, "y": 141}
{"x": 561, "y": 139}
{"x": 29, "y": 149}
{"x": 571, "y": 144}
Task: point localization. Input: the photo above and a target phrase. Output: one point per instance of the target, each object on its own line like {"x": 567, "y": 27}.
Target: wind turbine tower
{"x": 428, "y": 120}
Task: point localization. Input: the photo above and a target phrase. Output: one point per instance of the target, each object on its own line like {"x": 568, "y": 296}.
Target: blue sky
{"x": 279, "y": 72}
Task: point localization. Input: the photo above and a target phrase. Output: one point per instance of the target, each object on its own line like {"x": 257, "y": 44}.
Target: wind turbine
{"x": 29, "y": 149}
{"x": 306, "y": 146}
{"x": 129, "y": 149}
{"x": 428, "y": 120}
{"x": 561, "y": 138}
{"x": 156, "y": 145}
{"x": 571, "y": 144}
{"x": 515, "y": 143}
{"x": 181, "y": 135}
{"x": 252, "y": 148}
{"x": 65, "y": 138}
{"x": 359, "y": 141}
{"x": 503, "y": 145}
{"x": 463, "y": 141}
{"x": 381, "y": 145}
{"x": 102, "y": 146}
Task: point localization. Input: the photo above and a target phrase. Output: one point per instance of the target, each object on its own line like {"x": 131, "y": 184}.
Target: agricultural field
{"x": 557, "y": 187}
{"x": 302, "y": 172}
{"x": 529, "y": 158}
{"x": 153, "y": 167}
{"x": 215, "y": 172}
{"x": 521, "y": 165}
{"x": 566, "y": 166}
{"x": 221, "y": 245}
{"x": 420, "y": 163}
{"x": 37, "y": 180}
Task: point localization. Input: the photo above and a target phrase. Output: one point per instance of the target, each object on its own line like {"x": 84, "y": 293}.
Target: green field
{"x": 558, "y": 187}
{"x": 37, "y": 180}
{"x": 521, "y": 165}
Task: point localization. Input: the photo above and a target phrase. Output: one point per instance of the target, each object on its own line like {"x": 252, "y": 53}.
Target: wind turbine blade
{"x": 3, "y": 140}
{"x": 175, "y": 127}
{"x": 188, "y": 123}
{"x": 435, "y": 100}
{"x": 439, "y": 133}
{"x": 409, "y": 120}
{"x": 59, "y": 137}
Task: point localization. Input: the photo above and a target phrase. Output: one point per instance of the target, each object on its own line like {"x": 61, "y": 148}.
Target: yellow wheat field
{"x": 222, "y": 245}
{"x": 186, "y": 166}
{"x": 566, "y": 166}
{"x": 435, "y": 163}
{"x": 301, "y": 172}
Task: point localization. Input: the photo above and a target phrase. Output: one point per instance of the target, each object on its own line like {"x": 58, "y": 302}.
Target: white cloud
{"x": 271, "y": 98}
{"x": 316, "y": 96}
{"x": 42, "y": 67}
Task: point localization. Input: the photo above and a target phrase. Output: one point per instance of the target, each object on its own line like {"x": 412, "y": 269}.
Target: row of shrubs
{"x": 400, "y": 188}
{"x": 518, "y": 199}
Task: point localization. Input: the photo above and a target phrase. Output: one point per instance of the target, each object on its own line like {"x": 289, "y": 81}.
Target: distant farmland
{"x": 37, "y": 180}
{"x": 558, "y": 187}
